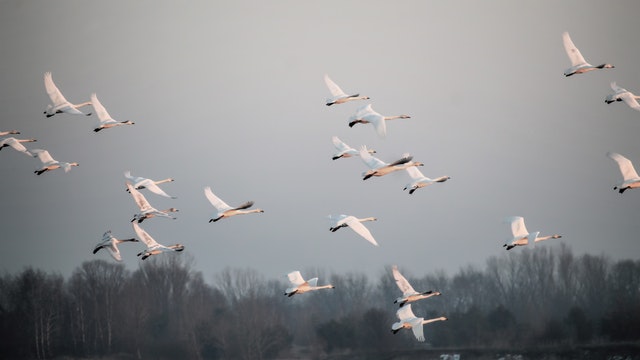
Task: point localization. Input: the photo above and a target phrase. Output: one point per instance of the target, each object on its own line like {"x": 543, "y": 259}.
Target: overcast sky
{"x": 230, "y": 95}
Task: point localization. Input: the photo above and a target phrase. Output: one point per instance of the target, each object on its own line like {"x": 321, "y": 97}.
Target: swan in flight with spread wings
{"x": 380, "y": 168}
{"x": 420, "y": 181}
{"x": 16, "y": 144}
{"x": 300, "y": 286}
{"x": 630, "y": 178}
{"x": 224, "y": 210}
{"x": 408, "y": 293}
{"x": 578, "y": 64}
{"x": 140, "y": 183}
{"x": 622, "y": 94}
{"x": 49, "y": 164}
{"x": 9, "y": 132}
{"x": 146, "y": 210}
{"x": 153, "y": 248}
{"x": 408, "y": 320}
{"x": 58, "y": 103}
{"x": 110, "y": 243}
{"x": 520, "y": 236}
{"x": 337, "y": 95}
{"x": 344, "y": 150}
{"x": 366, "y": 115}
{"x": 354, "y": 224}
{"x": 105, "y": 121}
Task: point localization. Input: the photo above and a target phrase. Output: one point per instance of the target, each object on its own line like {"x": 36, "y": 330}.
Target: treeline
{"x": 165, "y": 309}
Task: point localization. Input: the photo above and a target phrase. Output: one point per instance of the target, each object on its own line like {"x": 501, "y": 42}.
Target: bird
{"x": 58, "y": 103}
{"x": 16, "y": 144}
{"x": 110, "y": 243}
{"x": 224, "y": 210}
{"x": 354, "y": 223}
{"x": 420, "y": 181}
{"x": 300, "y": 286}
{"x": 408, "y": 320}
{"x": 153, "y": 248}
{"x": 578, "y": 64}
{"x": 337, "y": 95}
{"x": 622, "y": 94}
{"x": 105, "y": 121}
{"x": 366, "y": 115}
{"x": 140, "y": 183}
{"x": 630, "y": 178}
{"x": 520, "y": 235}
{"x": 344, "y": 150}
{"x": 380, "y": 168}
{"x": 9, "y": 132}
{"x": 146, "y": 210}
{"x": 408, "y": 293}
{"x": 49, "y": 164}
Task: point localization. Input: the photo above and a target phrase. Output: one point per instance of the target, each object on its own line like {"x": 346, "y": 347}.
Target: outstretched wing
{"x": 144, "y": 236}
{"x": 52, "y": 90}
{"x": 102, "y": 113}
{"x": 340, "y": 146}
{"x": 215, "y": 201}
{"x": 17, "y": 145}
{"x": 417, "y": 328}
{"x": 43, "y": 155}
{"x": 625, "y": 165}
{"x": 403, "y": 160}
{"x": 151, "y": 186}
{"x": 572, "y": 51}
{"x": 415, "y": 173}
{"x": 334, "y": 89}
{"x": 140, "y": 200}
{"x": 405, "y": 313}
{"x": 402, "y": 283}
{"x": 371, "y": 161}
{"x": 360, "y": 229}
{"x": 630, "y": 100}
{"x": 296, "y": 278}
{"x": 517, "y": 226}
{"x": 246, "y": 205}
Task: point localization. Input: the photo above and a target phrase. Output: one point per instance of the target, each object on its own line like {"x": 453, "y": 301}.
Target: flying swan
{"x": 224, "y": 210}
{"x": 49, "y": 164}
{"x": 408, "y": 293}
{"x": 366, "y": 115}
{"x": 380, "y": 168}
{"x": 622, "y": 94}
{"x": 105, "y": 121}
{"x": 337, "y": 95}
{"x": 420, "y": 181}
{"x": 300, "y": 286}
{"x": 578, "y": 64}
{"x": 153, "y": 248}
{"x": 16, "y": 144}
{"x": 146, "y": 210}
{"x": 110, "y": 243}
{"x": 344, "y": 150}
{"x": 630, "y": 178}
{"x": 58, "y": 103}
{"x": 520, "y": 236}
{"x": 409, "y": 321}
{"x": 140, "y": 183}
{"x": 354, "y": 223}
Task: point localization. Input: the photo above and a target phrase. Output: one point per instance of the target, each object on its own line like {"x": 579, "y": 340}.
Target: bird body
{"x": 58, "y": 102}
{"x": 409, "y": 294}
{"x": 366, "y": 115}
{"x": 354, "y": 223}
{"x": 105, "y": 121}
{"x": 420, "y": 181}
{"x": 578, "y": 64}
{"x": 622, "y": 94}
{"x": 153, "y": 248}
{"x": 344, "y": 150}
{"x": 140, "y": 183}
{"x": 224, "y": 210}
{"x": 49, "y": 164}
{"x": 408, "y": 320}
{"x": 630, "y": 178}
{"x": 521, "y": 236}
{"x": 378, "y": 167}
{"x": 16, "y": 144}
{"x": 110, "y": 243}
{"x": 337, "y": 95}
{"x": 146, "y": 210}
{"x": 300, "y": 286}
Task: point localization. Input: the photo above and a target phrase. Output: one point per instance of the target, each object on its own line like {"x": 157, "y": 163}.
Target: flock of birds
{"x": 365, "y": 114}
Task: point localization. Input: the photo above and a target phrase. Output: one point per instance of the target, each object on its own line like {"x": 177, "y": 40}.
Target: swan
{"x": 578, "y": 64}
{"x": 105, "y": 121}
{"x": 409, "y": 321}
{"x": 408, "y": 293}
{"x": 300, "y": 286}
{"x": 354, "y": 223}
{"x": 225, "y": 210}
{"x": 110, "y": 243}
{"x": 366, "y": 115}
{"x": 520, "y": 235}
{"x": 622, "y": 94}
{"x": 630, "y": 178}
{"x": 58, "y": 103}
{"x": 48, "y": 163}
{"x": 16, "y": 144}
{"x": 139, "y": 183}
{"x": 10, "y": 132}
{"x": 344, "y": 150}
{"x": 420, "y": 181}
{"x": 146, "y": 210}
{"x": 153, "y": 248}
{"x": 380, "y": 168}
{"x": 337, "y": 95}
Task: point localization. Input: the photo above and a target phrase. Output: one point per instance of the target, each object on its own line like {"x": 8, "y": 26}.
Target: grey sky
{"x": 230, "y": 95}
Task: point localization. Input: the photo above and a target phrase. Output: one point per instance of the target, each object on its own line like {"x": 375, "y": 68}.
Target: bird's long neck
{"x": 543, "y": 238}
{"x": 367, "y": 219}
{"x": 434, "y": 320}
{"x": 163, "y": 181}
{"x": 82, "y": 104}
{"x": 393, "y": 117}
{"x": 323, "y": 287}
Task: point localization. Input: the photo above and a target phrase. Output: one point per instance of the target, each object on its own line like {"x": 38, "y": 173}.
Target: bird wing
{"x": 517, "y": 226}
{"x": 114, "y": 251}
{"x": 246, "y": 205}
{"x": 313, "y": 282}
{"x": 630, "y": 100}
{"x": 144, "y": 236}
{"x": 415, "y": 173}
{"x": 44, "y": 156}
{"x": 14, "y": 143}
{"x": 335, "y": 219}
{"x": 402, "y": 283}
{"x": 417, "y": 328}
{"x": 216, "y": 201}
{"x": 296, "y": 278}
{"x": 140, "y": 200}
{"x": 102, "y": 113}
{"x": 371, "y": 161}
{"x": 360, "y": 229}
{"x": 340, "y": 146}
{"x": 403, "y": 160}
{"x": 616, "y": 88}
{"x": 572, "y": 51}
{"x": 151, "y": 186}
{"x": 52, "y": 90}
{"x": 333, "y": 87}
{"x": 625, "y": 165}
{"x": 405, "y": 313}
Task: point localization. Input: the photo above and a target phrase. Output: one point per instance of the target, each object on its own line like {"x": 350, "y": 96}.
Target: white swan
{"x": 105, "y": 121}
{"x": 153, "y": 248}
{"x": 408, "y": 293}
{"x": 578, "y": 64}
{"x": 630, "y": 178}
{"x": 16, "y": 144}
{"x": 10, "y": 132}
{"x": 520, "y": 236}
{"x": 48, "y": 163}
{"x": 300, "y": 286}
{"x": 140, "y": 183}
{"x": 408, "y": 320}
{"x": 58, "y": 103}
{"x": 380, "y": 168}
{"x": 420, "y": 181}
{"x": 366, "y": 115}
{"x": 344, "y": 150}
{"x": 110, "y": 243}
{"x": 354, "y": 223}
{"x": 146, "y": 210}
{"x": 224, "y": 210}
{"x": 622, "y": 94}
{"x": 337, "y": 95}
